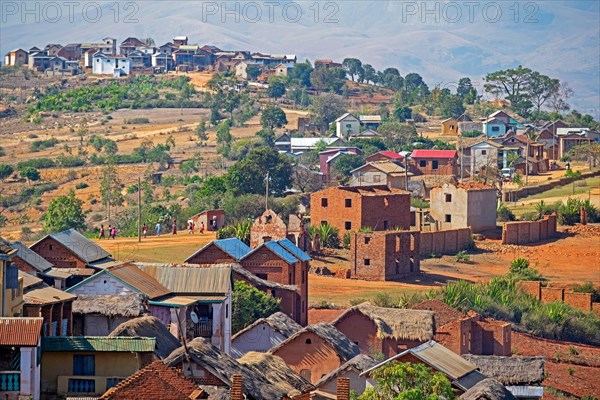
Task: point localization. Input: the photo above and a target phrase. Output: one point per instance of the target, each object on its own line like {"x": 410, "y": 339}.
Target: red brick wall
{"x": 362, "y": 331}
{"x": 444, "y": 242}
{"x": 59, "y": 255}
{"x": 24, "y": 266}
{"x": 395, "y": 209}
{"x": 533, "y": 288}
{"x": 445, "y": 167}
{"x": 495, "y": 337}
{"x": 211, "y": 255}
{"x": 582, "y": 301}
{"x": 552, "y": 294}
{"x": 336, "y": 213}
{"x": 456, "y": 336}
{"x": 262, "y": 227}
{"x": 523, "y": 232}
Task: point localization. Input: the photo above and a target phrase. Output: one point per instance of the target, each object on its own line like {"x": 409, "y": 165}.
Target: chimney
{"x": 343, "y": 389}
{"x": 237, "y": 391}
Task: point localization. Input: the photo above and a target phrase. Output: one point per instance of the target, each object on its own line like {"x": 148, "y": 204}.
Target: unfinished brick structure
{"x": 270, "y": 226}
{"x": 581, "y": 301}
{"x": 349, "y": 208}
{"x": 384, "y": 256}
{"x": 524, "y": 232}
{"x": 207, "y": 217}
{"x": 448, "y": 241}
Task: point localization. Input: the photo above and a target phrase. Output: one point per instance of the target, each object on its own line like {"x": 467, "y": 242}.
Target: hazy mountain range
{"x": 442, "y": 41}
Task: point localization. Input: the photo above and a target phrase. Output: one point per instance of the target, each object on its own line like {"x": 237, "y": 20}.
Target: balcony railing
{"x": 82, "y": 386}
{"x": 10, "y": 381}
{"x": 202, "y": 329}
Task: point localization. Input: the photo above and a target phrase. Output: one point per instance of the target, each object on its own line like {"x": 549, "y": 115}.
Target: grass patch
{"x": 567, "y": 190}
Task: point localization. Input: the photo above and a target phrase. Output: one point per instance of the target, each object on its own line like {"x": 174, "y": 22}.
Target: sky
{"x": 441, "y": 40}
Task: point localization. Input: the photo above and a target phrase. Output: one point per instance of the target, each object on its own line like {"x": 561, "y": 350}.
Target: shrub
{"x": 70, "y": 161}
{"x": 418, "y": 203}
{"x": 138, "y": 120}
{"x": 38, "y": 163}
{"x": 81, "y": 185}
{"x": 42, "y": 144}
{"x": 383, "y": 300}
{"x": 588, "y": 287}
{"x": 346, "y": 240}
{"x": 328, "y": 235}
{"x": 518, "y": 265}
{"x": 462, "y": 256}
{"x": 504, "y": 214}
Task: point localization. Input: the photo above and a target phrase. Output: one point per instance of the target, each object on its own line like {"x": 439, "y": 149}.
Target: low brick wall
{"x": 447, "y": 242}
{"x": 550, "y": 295}
{"x": 515, "y": 195}
{"x": 596, "y": 308}
{"x": 532, "y": 288}
{"x": 582, "y": 301}
{"x": 526, "y": 232}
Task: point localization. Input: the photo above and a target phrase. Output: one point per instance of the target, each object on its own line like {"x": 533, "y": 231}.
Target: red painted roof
{"x": 391, "y": 154}
{"x": 20, "y": 331}
{"x": 433, "y": 154}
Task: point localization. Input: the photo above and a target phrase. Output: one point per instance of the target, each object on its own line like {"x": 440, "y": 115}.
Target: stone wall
{"x": 447, "y": 242}
{"x": 525, "y": 232}
{"x": 581, "y": 301}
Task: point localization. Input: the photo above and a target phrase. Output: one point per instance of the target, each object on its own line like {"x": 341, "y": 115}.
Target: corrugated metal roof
{"x": 105, "y": 263}
{"x": 47, "y": 295}
{"x": 98, "y": 343}
{"x": 232, "y": 246}
{"x": 31, "y": 257}
{"x": 370, "y": 118}
{"x": 277, "y": 250}
{"x": 469, "y": 380}
{"x": 5, "y": 247}
{"x": 191, "y": 280}
{"x": 20, "y": 331}
{"x": 391, "y": 154}
{"x": 79, "y": 245}
{"x": 295, "y": 250}
{"x": 312, "y": 142}
{"x": 176, "y": 301}
{"x": 433, "y": 154}
{"x": 140, "y": 280}
{"x": 29, "y": 280}
{"x": 64, "y": 273}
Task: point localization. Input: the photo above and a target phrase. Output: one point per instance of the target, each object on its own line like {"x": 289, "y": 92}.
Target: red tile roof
{"x": 391, "y": 154}
{"x": 20, "y": 331}
{"x": 155, "y": 382}
{"x": 433, "y": 154}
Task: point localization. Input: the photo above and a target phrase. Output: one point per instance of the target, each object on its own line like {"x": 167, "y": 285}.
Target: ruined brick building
{"x": 270, "y": 226}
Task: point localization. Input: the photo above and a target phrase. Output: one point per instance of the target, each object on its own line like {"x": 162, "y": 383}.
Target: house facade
{"x": 494, "y": 127}
{"x": 435, "y": 162}
{"x": 53, "y": 305}
{"x": 20, "y": 369}
{"x": 347, "y": 125}
{"x": 110, "y": 65}
{"x": 349, "y": 208}
{"x": 350, "y": 370}
{"x": 207, "y": 217}
{"x": 381, "y": 173}
{"x": 450, "y": 127}
{"x": 390, "y": 156}
{"x": 464, "y": 205}
{"x": 90, "y": 365}
{"x": 11, "y": 291}
{"x": 16, "y": 57}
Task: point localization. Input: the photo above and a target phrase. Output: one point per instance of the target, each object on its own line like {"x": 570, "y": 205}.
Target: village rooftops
{"x": 276, "y": 249}
{"x": 149, "y": 326}
{"x": 488, "y": 389}
{"x": 234, "y": 247}
{"x": 79, "y": 245}
{"x": 391, "y": 154}
{"x": 336, "y": 339}
{"x": 20, "y": 331}
{"x": 295, "y": 250}
{"x": 369, "y": 118}
{"x": 360, "y": 363}
{"x": 513, "y": 370}
{"x": 111, "y": 305}
{"x": 155, "y": 382}
{"x": 6, "y": 250}
{"x": 259, "y": 282}
{"x": 387, "y": 167}
{"x": 191, "y": 279}
{"x": 278, "y": 321}
{"x": 98, "y": 343}
{"x": 396, "y": 323}
{"x": 473, "y": 186}
{"x": 463, "y": 374}
{"x": 443, "y": 312}
{"x": 375, "y": 190}
{"x": 433, "y": 154}
{"x": 47, "y": 295}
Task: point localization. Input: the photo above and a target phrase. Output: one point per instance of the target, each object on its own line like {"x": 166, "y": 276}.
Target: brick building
{"x": 207, "y": 217}
{"x": 384, "y": 256}
{"x": 386, "y": 155}
{"x": 349, "y": 208}
{"x": 316, "y": 350}
{"x": 29, "y": 261}
{"x": 385, "y": 330}
{"x": 73, "y": 253}
{"x": 435, "y": 162}
{"x": 464, "y": 205}
{"x": 271, "y": 227}
{"x": 220, "y": 251}
{"x": 284, "y": 263}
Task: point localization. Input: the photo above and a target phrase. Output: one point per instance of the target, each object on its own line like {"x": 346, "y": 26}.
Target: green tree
{"x": 352, "y": 66}
{"x": 402, "y": 113}
{"x": 31, "y": 174}
{"x": 513, "y": 83}
{"x": 110, "y": 147}
{"x": 452, "y": 107}
{"x": 328, "y": 79}
{"x": 369, "y": 73}
{"x": 464, "y": 87}
{"x": 248, "y": 175}
{"x": 395, "y": 134}
{"x": 541, "y": 89}
{"x": 213, "y": 185}
{"x": 190, "y": 166}
{"x": 408, "y": 381}
{"x": 346, "y": 163}
{"x": 276, "y": 89}
{"x": 224, "y": 139}
{"x": 64, "y": 212}
{"x": 110, "y": 186}
{"x": 326, "y": 108}
{"x": 253, "y": 72}
{"x": 301, "y": 73}
{"x": 273, "y": 117}
{"x": 6, "y": 170}
{"x": 267, "y": 136}
{"x": 250, "y": 304}
{"x": 391, "y": 79}
{"x": 201, "y": 131}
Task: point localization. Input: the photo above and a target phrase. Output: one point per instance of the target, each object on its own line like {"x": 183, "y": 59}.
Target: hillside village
{"x": 186, "y": 222}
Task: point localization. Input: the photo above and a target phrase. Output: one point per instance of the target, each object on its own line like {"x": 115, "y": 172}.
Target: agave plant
{"x": 328, "y": 235}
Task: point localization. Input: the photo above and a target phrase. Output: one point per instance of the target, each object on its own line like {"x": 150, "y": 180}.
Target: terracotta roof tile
{"x": 20, "y": 331}
{"x": 155, "y": 382}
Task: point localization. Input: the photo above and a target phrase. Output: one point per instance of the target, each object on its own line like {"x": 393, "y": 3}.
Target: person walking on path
{"x": 101, "y": 236}
{"x": 157, "y": 228}
{"x": 145, "y": 230}
{"x": 174, "y": 227}
{"x": 113, "y": 232}
{"x": 201, "y": 227}
{"x": 214, "y": 223}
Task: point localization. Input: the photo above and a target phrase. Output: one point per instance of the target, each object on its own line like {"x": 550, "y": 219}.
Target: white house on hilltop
{"x": 347, "y": 125}
{"x": 110, "y": 65}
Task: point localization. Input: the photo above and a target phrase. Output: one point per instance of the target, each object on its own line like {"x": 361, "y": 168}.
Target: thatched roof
{"x": 396, "y": 323}
{"x": 279, "y": 322}
{"x": 510, "y": 370}
{"x": 149, "y": 327}
{"x": 121, "y": 305}
{"x": 360, "y": 363}
{"x": 488, "y": 389}
{"x": 222, "y": 366}
{"x": 277, "y": 372}
{"x": 336, "y": 339}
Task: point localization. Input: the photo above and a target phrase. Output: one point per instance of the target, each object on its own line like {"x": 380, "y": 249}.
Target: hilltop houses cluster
{"x": 77, "y": 323}
{"x": 133, "y": 56}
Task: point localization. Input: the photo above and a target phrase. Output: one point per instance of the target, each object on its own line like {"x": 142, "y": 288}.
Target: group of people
{"x": 112, "y": 232}
{"x": 191, "y": 226}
